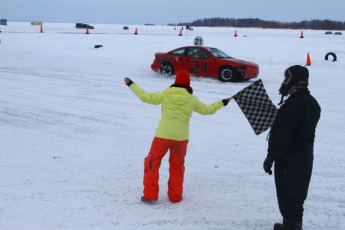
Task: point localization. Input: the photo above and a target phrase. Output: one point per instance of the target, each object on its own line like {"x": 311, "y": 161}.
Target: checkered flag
{"x": 256, "y": 106}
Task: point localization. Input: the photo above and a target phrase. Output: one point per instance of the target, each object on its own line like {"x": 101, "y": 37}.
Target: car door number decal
{"x": 195, "y": 69}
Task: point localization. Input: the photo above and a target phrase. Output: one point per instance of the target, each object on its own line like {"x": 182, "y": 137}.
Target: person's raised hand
{"x": 128, "y": 81}
{"x": 226, "y": 101}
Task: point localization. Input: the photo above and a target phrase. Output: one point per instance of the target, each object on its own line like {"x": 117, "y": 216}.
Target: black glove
{"x": 129, "y": 83}
{"x": 226, "y": 101}
{"x": 268, "y": 165}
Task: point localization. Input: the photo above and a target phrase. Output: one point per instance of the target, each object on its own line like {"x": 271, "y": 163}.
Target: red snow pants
{"x": 152, "y": 163}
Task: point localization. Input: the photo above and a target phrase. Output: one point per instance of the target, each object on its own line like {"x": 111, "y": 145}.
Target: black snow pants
{"x": 292, "y": 178}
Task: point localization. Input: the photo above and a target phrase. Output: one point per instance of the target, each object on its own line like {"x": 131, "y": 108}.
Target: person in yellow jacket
{"x": 178, "y": 104}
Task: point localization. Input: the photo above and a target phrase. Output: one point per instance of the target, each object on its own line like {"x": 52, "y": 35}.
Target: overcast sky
{"x": 164, "y": 11}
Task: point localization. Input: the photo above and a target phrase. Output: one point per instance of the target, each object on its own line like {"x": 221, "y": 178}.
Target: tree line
{"x": 255, "y": 22}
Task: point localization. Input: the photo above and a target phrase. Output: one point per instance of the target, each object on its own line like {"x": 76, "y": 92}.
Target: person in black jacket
{"x": 291, "y": 146}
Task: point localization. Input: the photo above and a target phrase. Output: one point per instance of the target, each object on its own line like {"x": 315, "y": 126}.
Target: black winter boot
{"x": 289, "y": 224}
{"x": 278, "y": 226}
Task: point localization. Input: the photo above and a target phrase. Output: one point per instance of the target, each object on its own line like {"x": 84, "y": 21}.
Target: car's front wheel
{"x": 166, "y": 69}
{"x": 227, "y": 74}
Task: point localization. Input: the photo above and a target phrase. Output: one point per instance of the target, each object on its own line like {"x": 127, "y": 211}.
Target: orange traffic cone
{"x": 301, "y": 35}
{"x": 87, "y": 31}
{"x": 180, "y": 34}
{"x": 308, "y": 60}
{"x": 235, "y": 35}
{"x": 41, "y": 28}
{"x": 136, "y": 31}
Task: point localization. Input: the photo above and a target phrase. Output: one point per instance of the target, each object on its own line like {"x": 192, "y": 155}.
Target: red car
{"x": 206, "y": 62}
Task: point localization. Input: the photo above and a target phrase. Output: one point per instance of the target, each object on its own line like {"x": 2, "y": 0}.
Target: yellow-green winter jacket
{"x": 177, "y": 107}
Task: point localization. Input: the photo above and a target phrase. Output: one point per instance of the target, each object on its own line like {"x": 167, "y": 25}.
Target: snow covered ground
{"x": 73, "y": 137}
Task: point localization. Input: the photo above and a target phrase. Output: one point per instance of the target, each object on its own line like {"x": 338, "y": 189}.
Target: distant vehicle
{"x": 36, "y": 23}
{"x": 204, "y": 61}
{"x": 338, "y": 33}
{"x": 125, "y": 28}
{"x": 3, "y": 22}
{"x": 328, "y": 32}
{"x": 83, "y": 26}
{"x": 189, "y": 27}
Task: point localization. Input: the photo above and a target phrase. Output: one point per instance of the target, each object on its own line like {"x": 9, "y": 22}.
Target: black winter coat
{"x": 293, "y": 131}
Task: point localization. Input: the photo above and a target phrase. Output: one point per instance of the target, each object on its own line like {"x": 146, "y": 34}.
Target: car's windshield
{"x": 218, "y": 53}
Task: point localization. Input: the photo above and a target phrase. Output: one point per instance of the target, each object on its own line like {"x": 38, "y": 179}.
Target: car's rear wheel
{"x": 166, "y": 69}
{"x": 227, "y": 74}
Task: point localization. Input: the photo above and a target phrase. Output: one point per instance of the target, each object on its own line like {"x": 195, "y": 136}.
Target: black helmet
{"x": 294, "y": 77}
